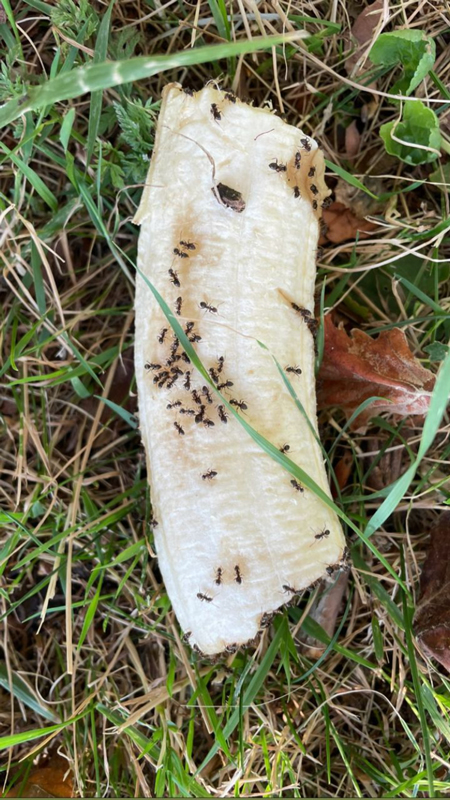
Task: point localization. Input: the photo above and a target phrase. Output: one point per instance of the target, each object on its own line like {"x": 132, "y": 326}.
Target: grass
{"x": 93, "y": 665}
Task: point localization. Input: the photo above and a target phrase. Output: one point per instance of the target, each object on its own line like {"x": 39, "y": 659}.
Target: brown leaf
{"x": 352, "y": 140}
{"x": 357, "y": 367}
{"x": 342, "y": 224}
{"x": 363, "y": 30}
{"x": 48, "y": 780}
{"x": 432, "y": 618}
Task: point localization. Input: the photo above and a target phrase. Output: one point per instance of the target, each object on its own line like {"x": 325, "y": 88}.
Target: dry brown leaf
{"x": 432, "y": 618}
{"x": 352, "y": 140}
{"x": 47, "y": 780}
{"x": 363, "y": 30}
{"x": 342, "y": 224}
{"x": 357, "y": 367}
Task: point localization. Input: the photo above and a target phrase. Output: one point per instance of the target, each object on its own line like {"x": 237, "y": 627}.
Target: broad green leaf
{"x": 436, "y": 351}
{"x": 412, "y": 50}
{"x": 418, "y": 130}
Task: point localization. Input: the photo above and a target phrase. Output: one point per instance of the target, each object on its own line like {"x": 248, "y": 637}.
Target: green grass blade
{"x": 21, "y": 691}
{"x": 100, "y": 54}
{"x": 96, "y": 77}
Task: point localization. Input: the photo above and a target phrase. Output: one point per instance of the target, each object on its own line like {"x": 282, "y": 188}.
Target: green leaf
{"x": 436, "y": 351}
{"x": 100, "y": 54}
{"x": 412, "y": 49}
{"x": 66, "y": 128}
{"x": 441, "y": 176}
{"x": 418, "y": 130}
{"x": 22, "y": 692}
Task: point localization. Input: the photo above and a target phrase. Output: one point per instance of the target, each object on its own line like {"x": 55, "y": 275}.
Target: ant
{"x": 214, "y": 375}
{"x": 202, "y": 596}
{"x": 297, "y": 485}
{"x": 200, "y": 416}
{"x": 215, "y": 112}
{"x": 223, "y": 416}
{"x": 174, "y": 277}
{"x": 225, "y": 385}
{"x": 164, "y": 375}
{"x": 178, "y": 304}
{"x": 295, "y": 370}
{"x": 208, "y": 307}
{"x": 180, "y": 253}
{"x": 323, "y": 534}
{"x": 284, "y": 448}
{"x": 208, "y": 423}
{"x": 187, "y": 380}
{"x": 185, "y": 358}
{"x": 314, "y": 205}
{"x": 219, "y": 574}
{"x": 196, "y": 397}
{"x": 238, "y": 577}
{"x": 220, "y": 363}
{"x": 189, "y": 327}
{"x": 162, "y": 335}
{"x": 327, "y": 202}
{"x": 208, "y": 476}
{"x": 296, "y": 192}
{"x": 297, "y": 160}
{"x": 188, "y": 245}
{"x": 189, "y": 411}
{"x": 179, "y": 428}
{"x": 152, "y": 366}
{"x": 188, "y": 91}
{"x": 277, "y": 167}
{"x": 195, "y": 338}
{"x": 306, "y": 144}
{"x": 330, "y": 571}
{"x": 230, "y": 96}
{"x": 239, "y": 404}
{"x": 312, "y": 172}
{"x": 290, "y": 589}
{"x": 174, "y": 405}
{"x": 206, "y": 393}
{"x": 314, "y": 189}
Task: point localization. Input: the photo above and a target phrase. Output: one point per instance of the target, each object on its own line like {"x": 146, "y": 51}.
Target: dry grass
{"x": 76, "y": 556}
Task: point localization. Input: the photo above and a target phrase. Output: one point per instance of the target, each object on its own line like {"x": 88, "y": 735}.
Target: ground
{"x": 96, "y": 686}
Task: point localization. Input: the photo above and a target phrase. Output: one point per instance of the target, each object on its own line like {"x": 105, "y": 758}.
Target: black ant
{"x": 208, "y": 423}
{"x": 189, "y": 411}
{"x": 277, "y": 167}
{"x": 239, "y": 404}
{"x": 314, "y": 189}
{"x": 230, "y": 96}
{"x": 214, "y": 375}
{"x": 215, "y": 112}
{"x": 189, "y": 92}
{"x": 330, "y": 571}
{"x": 306, "y": 144}
{"x": 289, "y": 589}
{"x": 297, "y": 192}
{"x": 180, "y": 253}
{"x": 225, "y": 385}
{"x": 162, "y": 335}
{"x": 206, "y": 393}
{"x": 327, "y": 202}
{"x": 200, "y": 416}
{"x": 284, "y": 448}
{"x": 189, "y": 327}
{"x": 295, "y": 370}
{"x": 238, "y": 577}
{"x": 185, "y": 358}
{"x": 297, "y": 485}
{"x": 187, "y": 380}
{"x": 315, "y": 205}
{"x": 174, "y": 347}
{"x": 202, "y": 596}
{"x": 174, "y": 277}
{"x": 297, "y": 159}
{"x": 312, "y": 172}
{"x": 179, "y": 428}
{"x": 223, "y": 416}
{"x": 323, "y": 534}
{"x": 208, "y": 476}
{"x": 178, "y": 304}
{"x": 220, "y": 363}
{"x": 188, "y": 245}
{"x": 161, "y": 375}
{"x": 196, "y": 397}
{"x": 208, "y": 307}
{"x": 195, "y": 338}
{"x": 174, "y": 405}
{"x": 219, "y": 574}
{"x": 152, "y": 366}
